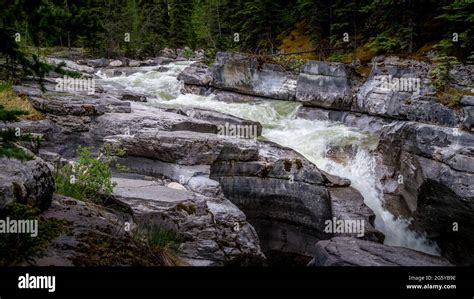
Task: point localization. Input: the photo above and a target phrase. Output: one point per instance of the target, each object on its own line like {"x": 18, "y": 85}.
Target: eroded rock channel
{"x": 248, "y": 162}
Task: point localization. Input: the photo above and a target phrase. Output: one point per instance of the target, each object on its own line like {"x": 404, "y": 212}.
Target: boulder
{"x": 95, "y": 236}
{"x": 168, "y": 53}
{"x": 401, "y": 89}
{"x": 116, "y": 63}
{"x": 97, "y": 63}
{"x": 364, "y": 122}
{"x": 213, "y": 231}
{"x": 134, "y": 63}
{"x": 184, "y": 147}
{"x": 220, "y": 119}
{"x": 27, "y": 182}
{"x": 71, "y": 65}
{"x": 133, "y": 97}
{"x": 244, "y": 74}
{"x": 162, "y": 60}
{"x": 348, "y": 204}
{"x": 324, "y": 84}
{"x": 428, "y": 110}
{"x": 79, "y": 105}
{"x": 148, "y": 62}
{"x": 145, "y": 117}
{"x": 196, "y": 74}
{"x": 346, "y": 251}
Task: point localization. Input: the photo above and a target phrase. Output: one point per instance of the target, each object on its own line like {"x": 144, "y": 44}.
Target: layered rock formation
{"x": 343, "y": 251}
{"x": 425, "y": 160}
{"x": 233, "y": 199}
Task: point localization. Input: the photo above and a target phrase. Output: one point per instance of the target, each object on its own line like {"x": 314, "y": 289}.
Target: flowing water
{"x": 312, "y": 138}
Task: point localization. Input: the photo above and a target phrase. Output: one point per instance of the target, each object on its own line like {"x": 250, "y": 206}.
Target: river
{"x": 311, "y": 138}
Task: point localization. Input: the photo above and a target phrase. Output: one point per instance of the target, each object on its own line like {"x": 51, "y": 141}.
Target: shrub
{"x": 162, "y": 242}
{"x": 188, "y": 53}
{"x": 440, "y": 73}
{"x": 88, "y": 178}
{"x": 19, "y": 248}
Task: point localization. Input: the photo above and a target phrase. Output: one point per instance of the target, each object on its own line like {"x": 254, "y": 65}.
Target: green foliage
{"x": 291, "y": 63}
{"x": 161, "y": 242}
{"x": 180, "y": 23}
{"x": 188, "y": 53}
{"x": 459, "y": 19}
{"x": 441, "y": 72}
{"x": 338, "y": 57}
{"x": 100, "y": 25}
{"x": 20, "y": 248}
{"x": 8, "y": 136}
{"x": 6, "y": 86}
{"x": 88, "y": 178}
{"x": 161, "y": 239}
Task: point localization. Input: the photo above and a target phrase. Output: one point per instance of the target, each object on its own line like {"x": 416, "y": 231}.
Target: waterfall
{"x": 311, "y": 138}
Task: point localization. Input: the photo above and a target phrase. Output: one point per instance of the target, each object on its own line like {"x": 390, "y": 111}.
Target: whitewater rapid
{"x": 311, "y": 138}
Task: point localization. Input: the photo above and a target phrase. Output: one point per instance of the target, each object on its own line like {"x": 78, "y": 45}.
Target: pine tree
{"x": 180, "y": 19}
{"x": 458, "y": 30}
{"x": 262, "y": 24}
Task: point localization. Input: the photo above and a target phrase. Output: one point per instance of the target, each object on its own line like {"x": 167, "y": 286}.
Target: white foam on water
{"x": 311, "y": 138}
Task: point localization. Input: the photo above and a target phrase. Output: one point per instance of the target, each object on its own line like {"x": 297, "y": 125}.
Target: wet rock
{"x": 196, "y": 74}
{"x": 196, "y": 89}
{"x": 134, "y": 63}
{"x": 97, "y": 63}
{"x": 71, "y": 65}
{"x": 346, "y": 251}
{"x": 242, "y": 73}
{"x": 324, "y": 84}
{"x": 220, "y": 119}
{"x": 162, "y": 60}
{"x": 79, "y": 105}
{"x": 182, "y": 147}
{"x": 145, "y": 117}
{"x": 27, "y": 182}
{"x": 427, "y": 175}
{"x": 232, "y": 97}
{"x": 133, "y": 97}
{"x": 168, "y": 53}
{"x": 348, "y": 204}
{"x": 284, "y": 196}
{"x": 148, "y": 62}
{"x": 116, "y": 63}
{"x": 364, "y": 122}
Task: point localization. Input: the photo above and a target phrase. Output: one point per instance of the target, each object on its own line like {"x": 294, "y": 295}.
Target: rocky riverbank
{"x": 231, "y": 200}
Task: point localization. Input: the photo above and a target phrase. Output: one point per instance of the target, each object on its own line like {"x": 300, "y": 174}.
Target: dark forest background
{"x": 377, "y": 26}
